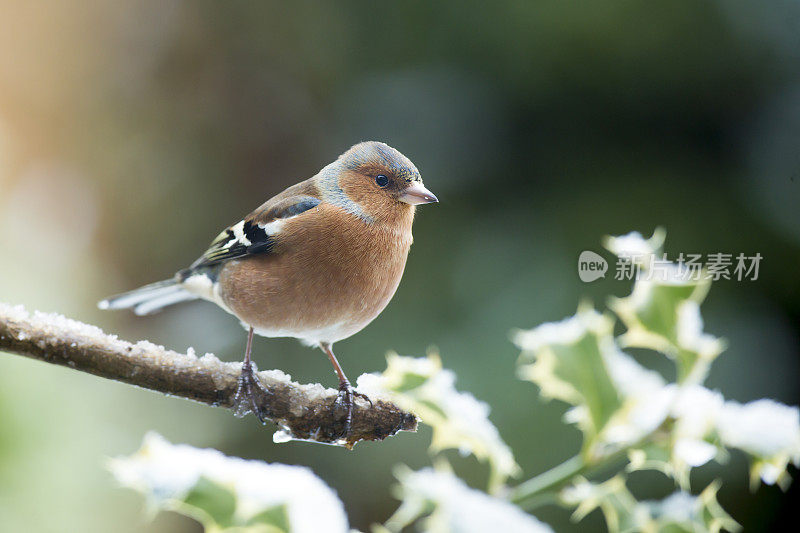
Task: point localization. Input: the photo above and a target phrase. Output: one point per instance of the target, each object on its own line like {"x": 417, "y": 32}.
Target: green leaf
{"x": 651, "y": 312}
{"x": 228, "y": 493}
{"x": 437, "y": 501}
{"x": 650, "y": 456}
{"x": 410, "y": 381}
{"x": 664, "y": 315}
{"x": 583, "y": 366}
{"x": 620, "y": 509}
{"x": 459, "y": 421}
{"x": 568, "y": 360}
{"x": 680, "y": 512}
{"x": 213, "y": 504}
{"x": 683, "y": 512}
{"x": 658, "y": 313}
{"x": 276, "y": 517}
{"x": 688, "y": 437}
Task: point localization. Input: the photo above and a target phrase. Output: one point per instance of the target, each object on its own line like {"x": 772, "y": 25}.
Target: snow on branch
{"x": 301, "y": 411}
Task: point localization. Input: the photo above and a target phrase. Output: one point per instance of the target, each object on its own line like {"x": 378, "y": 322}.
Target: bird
{"x": 317, "y": 262}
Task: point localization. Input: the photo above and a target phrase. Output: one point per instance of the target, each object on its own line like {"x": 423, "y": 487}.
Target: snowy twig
{"x": 302, "y": 411}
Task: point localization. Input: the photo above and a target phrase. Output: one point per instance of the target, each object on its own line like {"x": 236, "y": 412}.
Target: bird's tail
{"x": 150, "y": 298}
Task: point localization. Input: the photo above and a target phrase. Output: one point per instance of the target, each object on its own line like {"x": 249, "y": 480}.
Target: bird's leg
{"x": 250, "y": 393}
{"x": 346, "y": 392}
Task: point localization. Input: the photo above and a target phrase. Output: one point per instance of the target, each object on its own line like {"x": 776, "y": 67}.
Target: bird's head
{"x": 381, "y": 180}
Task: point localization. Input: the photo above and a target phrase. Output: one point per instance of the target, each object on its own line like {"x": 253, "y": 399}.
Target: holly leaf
{"x": 228, "y": 493}
{"x": 440, "y": 502}
{"x": 569, "y": 361}
{"x": 662, "y": 313}
{"x": 459, "y": 421}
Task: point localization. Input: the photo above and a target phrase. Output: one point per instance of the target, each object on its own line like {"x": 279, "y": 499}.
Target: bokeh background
{"x": 132, "y": 132}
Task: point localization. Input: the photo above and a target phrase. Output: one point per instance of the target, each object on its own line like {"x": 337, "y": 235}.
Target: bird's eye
{"x": 381, "y": 180}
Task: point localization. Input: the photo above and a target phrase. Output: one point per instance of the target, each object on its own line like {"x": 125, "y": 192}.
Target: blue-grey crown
{"x": 380, "y": 154}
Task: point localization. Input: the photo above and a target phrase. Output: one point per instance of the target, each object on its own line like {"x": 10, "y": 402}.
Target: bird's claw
{"x": 346, "y": 398}
{"x": 248, "y": 393}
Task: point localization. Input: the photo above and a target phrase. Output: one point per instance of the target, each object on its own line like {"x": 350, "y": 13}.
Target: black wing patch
{"x": 228, "y": 245}
{"x": 245, "y": 238}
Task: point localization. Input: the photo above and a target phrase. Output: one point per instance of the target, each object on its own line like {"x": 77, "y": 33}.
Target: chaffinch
{"x": 317, "y": 262}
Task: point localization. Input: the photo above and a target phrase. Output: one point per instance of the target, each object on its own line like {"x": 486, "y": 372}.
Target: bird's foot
{"x": 345, "y": 398}
{"x": 250, "y": 394}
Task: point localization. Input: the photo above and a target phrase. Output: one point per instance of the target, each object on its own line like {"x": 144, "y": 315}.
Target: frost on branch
{"x": 444, "y": 504}
{"x": 230, "y": 493}
{"x": 301, "y": 411}
{"x": 459, "y": 421}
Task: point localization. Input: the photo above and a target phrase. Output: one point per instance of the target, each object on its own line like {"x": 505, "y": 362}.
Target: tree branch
{"x": 302, "y": 411}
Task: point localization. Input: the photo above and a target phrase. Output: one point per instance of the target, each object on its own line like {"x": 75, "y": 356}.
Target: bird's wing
{"x": 256, "y": 233}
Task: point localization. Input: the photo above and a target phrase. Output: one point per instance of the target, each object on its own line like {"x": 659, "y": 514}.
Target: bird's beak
{"x": 416, "y": 194}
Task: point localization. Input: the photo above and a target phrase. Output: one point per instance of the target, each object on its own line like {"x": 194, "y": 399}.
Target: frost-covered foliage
{"x": 446, "y": 504}
{"x": 626, "y": 409}
{"x": 630, "y": 416}
{"x": 459, "y": 421}
{"x": 228, "y": 493}
{"x": 678, "y": 512}
{"x": 634, "y": 247}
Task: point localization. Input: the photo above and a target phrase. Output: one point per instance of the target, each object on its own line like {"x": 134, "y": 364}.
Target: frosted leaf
{"x": 638, "y": 416}
{"x": 677, "y": 507}
{"x": 691, "y": 440}
{"x": 681, "y": 511}
{"x": 631, "y": 378}
{"x": 567, "y": 331}
{"x": 703, "y": 423}
{"x": 767, "y": 430}
{"x": 763, "y": 427}
{"x": 696, "y": 411}
{"x": 616, "y": 400}
{"x": 173, "y": 475}
{"x": 444, "y": 504}
{"x": 459, "y": 421}
{"x": 690, "y": 333}
{"x": 646, "y": 401}
{"x": 694, "y": 452}
{"x": 568, "y": 361}
{"x": 664, "y": 315}
{"x": 634, "y": 247}
{"x": 620, "y": 509}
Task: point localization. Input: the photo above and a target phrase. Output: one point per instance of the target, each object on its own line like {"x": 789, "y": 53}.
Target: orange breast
{"x": 330, "y": 274}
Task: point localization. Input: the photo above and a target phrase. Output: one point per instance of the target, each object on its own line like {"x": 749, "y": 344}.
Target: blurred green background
{"x": 131, "y": 133}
